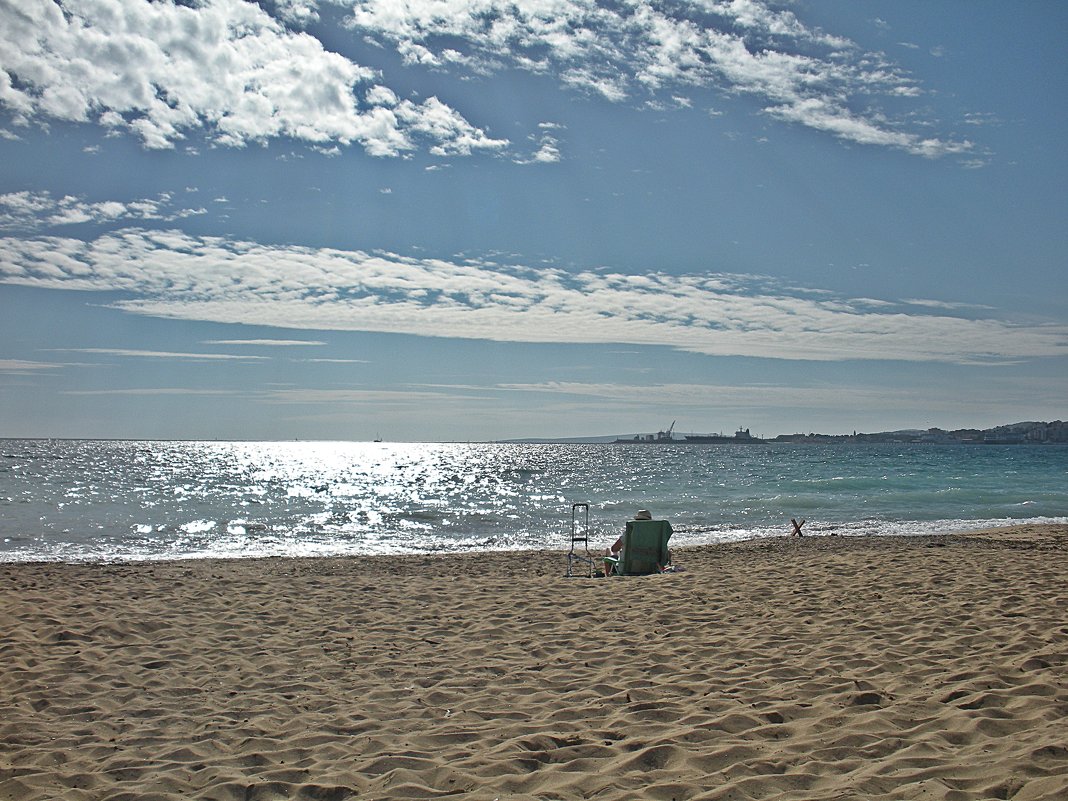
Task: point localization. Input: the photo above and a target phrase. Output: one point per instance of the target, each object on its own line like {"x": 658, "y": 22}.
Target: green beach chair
{"x": 645, "y": 549}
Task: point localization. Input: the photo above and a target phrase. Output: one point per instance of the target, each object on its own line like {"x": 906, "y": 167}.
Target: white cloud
{"x": 163, "y": 354}
{"x": 165, "y": 69}
{"x": 266, "y": 342}
{"x": 825, "y": 115}
{"x": 149, "y": 391}
{"x": 947, "y": 305}
{"x": 614, "y": 50}
{"x": 981, "y": 118}
{"x": 34, "y": 210}
{"x": 24, "y": 367}
{"x": 705, "y": 396}
{"x": 548, "y": 151}
{"x": 375, "y": 397}
{"x": 696, "y": 403}
{"x": 297, "y": 12}
{"x": 173, "y": 275}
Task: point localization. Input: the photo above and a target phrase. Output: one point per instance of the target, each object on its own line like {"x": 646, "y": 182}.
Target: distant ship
{"x": 741, "y": 437}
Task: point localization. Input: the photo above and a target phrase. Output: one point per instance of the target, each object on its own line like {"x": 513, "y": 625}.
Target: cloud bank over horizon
{"x": 238, "y": 74}
{"x": 171, "y": 274}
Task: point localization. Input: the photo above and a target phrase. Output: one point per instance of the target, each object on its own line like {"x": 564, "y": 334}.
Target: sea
{"x": 119, "y": 501}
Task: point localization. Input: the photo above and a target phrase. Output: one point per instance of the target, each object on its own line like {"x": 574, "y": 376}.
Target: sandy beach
{"x": 814, "y": 668}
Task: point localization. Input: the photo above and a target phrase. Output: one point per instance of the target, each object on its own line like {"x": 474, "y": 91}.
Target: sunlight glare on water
{"x": 108, "y": 500}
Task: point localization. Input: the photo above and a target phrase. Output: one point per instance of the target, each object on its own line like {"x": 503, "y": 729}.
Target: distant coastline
{"x": 1024, "y": 433}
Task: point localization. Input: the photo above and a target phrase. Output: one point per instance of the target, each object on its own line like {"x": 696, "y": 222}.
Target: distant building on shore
{"x": 1028, "y": 433}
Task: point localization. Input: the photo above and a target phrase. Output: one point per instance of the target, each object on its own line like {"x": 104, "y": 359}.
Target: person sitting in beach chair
{"x": 642, "y": 548}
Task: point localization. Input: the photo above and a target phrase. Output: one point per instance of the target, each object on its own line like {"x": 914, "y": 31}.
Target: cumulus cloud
{"x": 171, "y": 274}
{"x": 227, "y": 67}
{"x": 30, "y": 211}
{"x": 246, "y": 72}
{"x": 548, "y": 147}
{"x": 297, "y": 12}
{"x": 616, "y": 50}
{"x": 548, "y": 151}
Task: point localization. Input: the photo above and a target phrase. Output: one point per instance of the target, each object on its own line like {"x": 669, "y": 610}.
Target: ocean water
{"x": 77, "y": 500}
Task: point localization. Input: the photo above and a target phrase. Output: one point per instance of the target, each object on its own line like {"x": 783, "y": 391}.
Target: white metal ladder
{"x": 580, "y": 535}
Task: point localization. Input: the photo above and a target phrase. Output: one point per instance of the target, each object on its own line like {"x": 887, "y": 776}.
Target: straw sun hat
{"x": 643, "y": 514}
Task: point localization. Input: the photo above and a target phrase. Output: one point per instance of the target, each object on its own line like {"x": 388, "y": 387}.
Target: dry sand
{"x": 816, "y": 668}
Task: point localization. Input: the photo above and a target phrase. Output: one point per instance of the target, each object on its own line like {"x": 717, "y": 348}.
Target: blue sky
{"x": 471, "y": 219}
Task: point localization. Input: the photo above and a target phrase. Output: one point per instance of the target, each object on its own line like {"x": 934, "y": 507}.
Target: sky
{"x": 477, "y": 220}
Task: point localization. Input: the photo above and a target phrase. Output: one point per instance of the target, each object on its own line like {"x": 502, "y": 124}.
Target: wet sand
{"x": 813, "y": 668}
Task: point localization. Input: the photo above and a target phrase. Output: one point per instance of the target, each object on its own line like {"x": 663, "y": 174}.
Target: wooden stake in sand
{"x": 797, "y": 527}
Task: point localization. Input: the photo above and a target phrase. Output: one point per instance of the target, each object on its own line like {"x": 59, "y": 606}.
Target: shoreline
{"x": 683, "y": 540}
{"x": 789, "y": 668}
